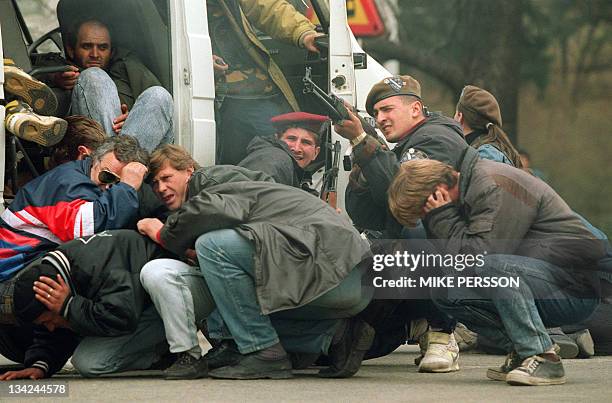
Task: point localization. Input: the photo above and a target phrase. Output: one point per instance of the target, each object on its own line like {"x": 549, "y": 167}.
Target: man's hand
{"x": 219, "y": 66}
{"x": 67, "y": 79}
{"x": 52, "y": 294}
{"x": 349, "y": 129}
{"x": 192, "y": 257}
{"x": 120, "y": 120}
{"x": 150, "y": 227}
{"x": 31, "y": 373}
{"x": 440, "y": 197}
{"x": 133, "y": 174}
{"x": 309, "y": 41}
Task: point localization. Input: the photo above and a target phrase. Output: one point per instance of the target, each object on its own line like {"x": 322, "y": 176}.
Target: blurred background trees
{"x": 548, "y": 62}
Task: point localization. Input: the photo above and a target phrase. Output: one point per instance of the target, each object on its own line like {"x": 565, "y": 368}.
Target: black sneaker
{"x": 187, "y": 366}
{"x": 537, "y": 370}
{"x": 252, "y": 366}
{"x": 224, "y": 354}
{"x": 347, "y": 354}
{"x": 499, "y": 374}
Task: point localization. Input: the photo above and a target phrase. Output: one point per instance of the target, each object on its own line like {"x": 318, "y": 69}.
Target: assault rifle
{"x": 337, "y": 112}
{"x": 334, "y": 106}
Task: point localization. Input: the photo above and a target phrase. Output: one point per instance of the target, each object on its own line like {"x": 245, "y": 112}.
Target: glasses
{"x": 108, "y": 177}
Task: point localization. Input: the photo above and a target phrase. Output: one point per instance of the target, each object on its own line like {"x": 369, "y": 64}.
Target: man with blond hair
{"x": 524, "y": 230}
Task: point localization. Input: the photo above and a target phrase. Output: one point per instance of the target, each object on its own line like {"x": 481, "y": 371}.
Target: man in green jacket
{"x": 292, "y": 272}
{"x": 250, "y": 86}
{"x": 111, "y": 86}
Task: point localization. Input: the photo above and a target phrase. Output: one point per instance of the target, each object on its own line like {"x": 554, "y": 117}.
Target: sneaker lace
{"x": 531, "y": 364}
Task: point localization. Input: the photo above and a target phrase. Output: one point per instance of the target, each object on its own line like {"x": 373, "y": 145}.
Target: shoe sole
{"x": 45, "y": 134}
{"x": 567, "y": 347}
{"x": 284, "y": 374}
{"x": 36, "y": 94}
{"x": 496, "y": 375}
{"x": 525, "y": 380}
{"x": 453, "y": 368}
{"x": 184, "y": 377}
{"x": 359, "y": 349}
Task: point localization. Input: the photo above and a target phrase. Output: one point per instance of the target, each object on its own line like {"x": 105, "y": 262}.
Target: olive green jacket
{"x": 130, "y": 76}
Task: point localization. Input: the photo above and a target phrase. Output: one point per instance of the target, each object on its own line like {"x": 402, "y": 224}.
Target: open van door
{"x": 193, "y": 79}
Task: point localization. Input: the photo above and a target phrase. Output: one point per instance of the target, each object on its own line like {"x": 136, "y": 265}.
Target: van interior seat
{"x": 134, "y": 24}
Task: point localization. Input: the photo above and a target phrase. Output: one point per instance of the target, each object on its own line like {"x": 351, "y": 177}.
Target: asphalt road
{"x": 389, "y": 379}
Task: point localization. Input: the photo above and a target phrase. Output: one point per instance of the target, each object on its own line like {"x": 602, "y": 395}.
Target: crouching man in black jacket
{"x": 83, "y": 299}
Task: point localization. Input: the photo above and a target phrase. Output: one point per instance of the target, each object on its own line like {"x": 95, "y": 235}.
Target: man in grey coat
{"x": 522, "y": 230}
{"x": 281, "y": 265}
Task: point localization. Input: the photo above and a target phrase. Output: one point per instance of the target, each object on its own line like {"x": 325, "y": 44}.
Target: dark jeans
{"x": 517, "y": 318}
{"x": 239, "y": 120}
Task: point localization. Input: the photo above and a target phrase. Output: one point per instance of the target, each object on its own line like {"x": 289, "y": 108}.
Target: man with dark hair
{"x": 75, "y": 199}
{"x": 523, "y": 230}
{"x": 82, "y": 138}
{"x": 106, "y": 82}
{"x": 398, "y": 107}
{"x": 67, "y": 299}
{"x": 294, "y": 146}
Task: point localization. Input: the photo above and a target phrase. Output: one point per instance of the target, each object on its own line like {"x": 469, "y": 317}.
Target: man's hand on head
{"x": 133, "y": 174}
{"x": 120, "y": 120}
{"x": 150, "y": 227}
{"x": 349, "y": 129}
{"x": 28, "y": 373}
{"x": 52, "y": 294}
{"x": 440, "y": 197}
{"x": 67, "y": 79}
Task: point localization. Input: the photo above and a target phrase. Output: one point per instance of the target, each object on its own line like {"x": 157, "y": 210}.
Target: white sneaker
{"x": 442, "y": 353}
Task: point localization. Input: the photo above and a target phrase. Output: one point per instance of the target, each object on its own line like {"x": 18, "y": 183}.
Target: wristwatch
{"x": 358, "y": 139}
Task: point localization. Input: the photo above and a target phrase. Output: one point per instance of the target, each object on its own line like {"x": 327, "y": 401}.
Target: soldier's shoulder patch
{"x": 413, "y": 154}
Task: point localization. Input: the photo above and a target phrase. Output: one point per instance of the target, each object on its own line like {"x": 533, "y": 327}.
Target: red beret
{"x": 308, "y": 121}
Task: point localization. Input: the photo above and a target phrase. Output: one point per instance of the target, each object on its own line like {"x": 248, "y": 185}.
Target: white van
{"x": 171, "y": 38}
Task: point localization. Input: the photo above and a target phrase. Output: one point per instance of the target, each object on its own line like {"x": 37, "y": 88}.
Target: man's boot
{"x": 25, "y": 87}
{"x": 24, "y": 123}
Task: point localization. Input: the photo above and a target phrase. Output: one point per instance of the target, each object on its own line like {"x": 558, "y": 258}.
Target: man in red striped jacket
{"x": 76, "y": 199}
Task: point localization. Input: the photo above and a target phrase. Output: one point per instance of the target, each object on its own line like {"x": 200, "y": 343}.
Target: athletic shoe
{"x": 512, "y": 362}
{"x": 538, "y": 370}
{"x": 25, "y": 87}
{"x": 24, "y": 123}
{"x": 442, "y": 353}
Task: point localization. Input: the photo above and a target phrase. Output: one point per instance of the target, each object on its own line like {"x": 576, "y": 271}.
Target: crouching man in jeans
{"x": 280, "y": 264}
{"x": 524, "y": 230}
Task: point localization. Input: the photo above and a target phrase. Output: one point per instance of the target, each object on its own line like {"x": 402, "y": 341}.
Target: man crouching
{"x": 280, "y": 264}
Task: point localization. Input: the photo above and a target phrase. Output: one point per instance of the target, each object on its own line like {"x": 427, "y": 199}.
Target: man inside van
{"x": 111, "y": 86}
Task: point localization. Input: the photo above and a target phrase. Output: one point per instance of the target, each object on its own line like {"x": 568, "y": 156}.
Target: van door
{"x": 193, "y": 80}
{"x": 341, "y": 75}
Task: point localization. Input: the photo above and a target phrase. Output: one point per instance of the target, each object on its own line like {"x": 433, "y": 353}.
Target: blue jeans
{"x": 239, "y": 120}
{"x": 96, "y": 356}
{"x": 517, "y": 318}
{"x": 150, "y": 120}
{"x": 226, "y": 261}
